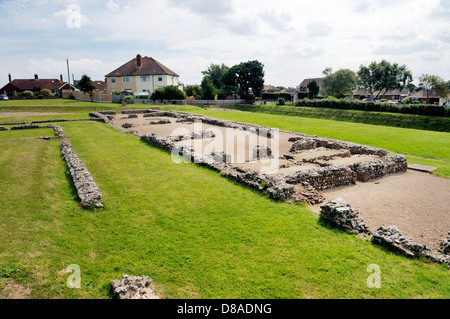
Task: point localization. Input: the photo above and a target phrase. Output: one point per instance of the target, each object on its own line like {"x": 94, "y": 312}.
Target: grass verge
{"x": 196, "y": 234}
{"x": 420, "y": 122}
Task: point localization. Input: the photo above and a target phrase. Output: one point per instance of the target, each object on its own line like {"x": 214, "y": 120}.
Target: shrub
{"x": 45, "y": 92}
{"x": 281, "y": 101}
{"x": 171, "y": 92}
{"x": 302, "y": 95}
{"x": 383, "y": 100}
{"x": 276, "y": 96}
{"x": 406, "y": 100}
{"x": 158, "y": 94}
{"x": 249, "y": 97}
{"x": 26, "y": 93}
{"x": 416, "y": 108}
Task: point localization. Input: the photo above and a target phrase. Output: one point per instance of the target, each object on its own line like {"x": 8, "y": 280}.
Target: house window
{"x": 113, "y": 80}
{"x": 127, "y": 79}
{"x": 160, "y": 78}
{"x": 145, "y": 78}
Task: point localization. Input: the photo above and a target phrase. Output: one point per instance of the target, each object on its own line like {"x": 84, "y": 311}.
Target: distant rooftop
{"x": 142, "y": 66}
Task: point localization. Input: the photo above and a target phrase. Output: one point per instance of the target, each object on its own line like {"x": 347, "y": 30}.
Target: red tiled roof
{"x": 30, "y": 84}
{"x": 100, "y": 85}
{"x": 306, "y": 81}
{"x": 149, "y": 66}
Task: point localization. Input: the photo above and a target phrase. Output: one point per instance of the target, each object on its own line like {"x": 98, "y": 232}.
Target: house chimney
{"x": 138, "y": 60}
{"x": 61, "y": 78}
{"x": 9, "y": 77}
{"x": 36, "y": 77}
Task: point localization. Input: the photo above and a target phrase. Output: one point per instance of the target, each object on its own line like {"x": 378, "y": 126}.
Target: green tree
{"x": 193, "y": 90}
{"x": 381, "y": 77}
{"x": 158, "y": 94}
{"x": 434, "y": 85}
{"x": 340, "y": 83}
{"x": 171, "y": 92}
{"x": 328, "y": 71}
{"x": 313, "y": 88}
{"x": 216, "y": 73}
{"x": 246, "y": 76}
{"x": 208, "y": 89}
{"x": 85, "y": 84}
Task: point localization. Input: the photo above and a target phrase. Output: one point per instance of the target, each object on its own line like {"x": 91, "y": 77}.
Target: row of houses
{"x": 143, "y": 75}
{"x": 391, "y": 95}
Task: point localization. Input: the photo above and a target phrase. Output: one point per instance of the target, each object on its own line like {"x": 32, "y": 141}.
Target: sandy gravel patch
{"x": 416, "y": 202}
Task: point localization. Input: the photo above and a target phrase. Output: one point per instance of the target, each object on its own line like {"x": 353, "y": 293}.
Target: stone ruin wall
{"x": 338, "y": 213}
{"x": 87, "y": 190}
{"x": 300, "y": 186}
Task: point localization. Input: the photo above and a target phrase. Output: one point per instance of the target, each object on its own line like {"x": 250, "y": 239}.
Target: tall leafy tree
{"x": 434, "y": 85}
{"x": 193, "y": 90}
{"x": 216, "y": 73}
{"x": 85, "y": 85}
{"x": 246, "y": 76}
{"x": 207, "y": 89}
{"x": 328, "y": 71}
{"x": 313, "y": 88}
{"x": 381, "y": 77}
{"x": 340, "y": 83}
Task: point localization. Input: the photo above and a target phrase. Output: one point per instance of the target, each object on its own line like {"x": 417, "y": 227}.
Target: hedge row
{"x": 418, "y": 109}
{"x": 276, "y": 96}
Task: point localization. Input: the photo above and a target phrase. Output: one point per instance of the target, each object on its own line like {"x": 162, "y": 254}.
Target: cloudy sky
{"x": 294, "y": 39}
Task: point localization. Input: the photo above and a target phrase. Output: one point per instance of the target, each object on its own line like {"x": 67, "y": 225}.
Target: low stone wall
{"x": 324, "y": 177}
{"x": 352, "y": 147}
{"x": 143, "y": 111}
{"x": 162, "y": 121}
{"x": 366, "y": 171}
{"x": 100, "y": 116}
{"x": 133, "y": 287}
{"x": 338, "y": 212}
{"x": 303, "y": 144}
{"x": 300, "y": 186}
{"x": 2, "y": 128}
{"x": 65, "y": 120}
{"x": 12, "y": 123}
{"x": 392, "y": 238}
{"x": 87, "y": 189}
{"x": 26, "y": 127}
{"x": 107, "y": 112}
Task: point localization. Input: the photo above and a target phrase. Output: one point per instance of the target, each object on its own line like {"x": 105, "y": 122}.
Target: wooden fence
{"x": 95, "y": 96}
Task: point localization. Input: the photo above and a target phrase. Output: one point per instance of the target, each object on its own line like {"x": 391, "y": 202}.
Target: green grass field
{"x": 195, "y": 233}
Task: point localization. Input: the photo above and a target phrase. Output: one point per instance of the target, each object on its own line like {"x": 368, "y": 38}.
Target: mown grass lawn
{"x": 195, "y": 233}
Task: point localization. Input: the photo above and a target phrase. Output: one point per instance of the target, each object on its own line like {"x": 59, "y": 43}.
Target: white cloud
{"x": 293, "y": 39}
{"x": 113, "y": 6}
